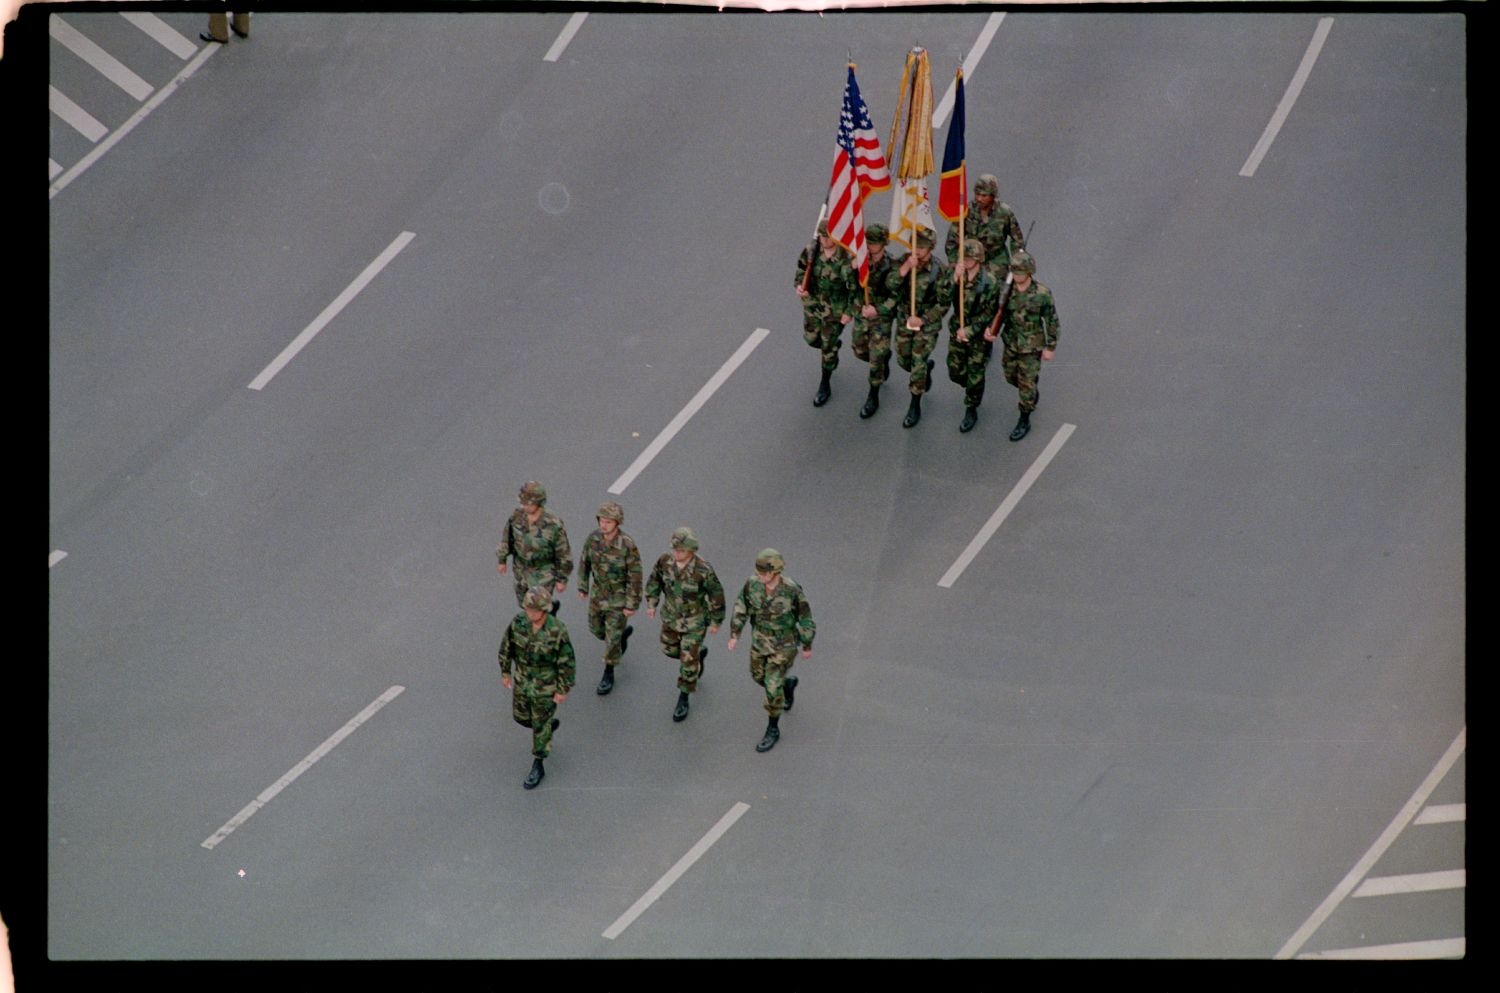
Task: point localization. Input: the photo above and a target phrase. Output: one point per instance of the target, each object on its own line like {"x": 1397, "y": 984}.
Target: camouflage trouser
{"x": 824, "y": 334}
{"x": 687, "y": 648}
{"x": 1021, "y": 371}
{"x": 872, "y": 344}
{"x": 770, "y": 671}
{"x": 966, "y": 362}
{"x": 533, "y": 708}
{"x": 527, "y": 577}
{"x": 607, "y": 623}
{"x": 912, "y": 351}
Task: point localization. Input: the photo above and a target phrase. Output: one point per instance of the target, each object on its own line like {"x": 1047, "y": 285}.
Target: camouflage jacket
{"x": 691, "y": 597}
{"x": 610, "y": 571}
{"x": 542, "y": 659}
{"x": 929, "y": 307}
{"x": 981, "y": 300}
{"x": 780, "y": 620}
{"x": 834, "y": 288}
{"x": 543, "y": 556}
{"x": 991, "y": 232}
{"x": 1030, "y": 320}
{"x": 882, "y": 296}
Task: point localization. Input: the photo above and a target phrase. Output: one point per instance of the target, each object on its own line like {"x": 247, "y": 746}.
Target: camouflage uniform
{"x": 981, "y": 298}
{"x": 999, "y": 232}
{"x": 610, "y": 572}
{"x": 914, "y": 347}
{"x": 872, "y": 337}
{"x": 543, "y": 664}
{"x": 541, "y": 551}
{"x": 1031, "y": 326}
{"x": 781, "y": 622}
{"x": 692, "y": 601}
{"x": 833, "y": 291}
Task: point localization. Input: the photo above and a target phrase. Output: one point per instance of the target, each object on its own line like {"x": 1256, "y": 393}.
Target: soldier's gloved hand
{"x": 963, "y": 335}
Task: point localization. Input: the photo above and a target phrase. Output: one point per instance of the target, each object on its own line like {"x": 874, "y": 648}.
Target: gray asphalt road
{"x": 1199, "y": 668}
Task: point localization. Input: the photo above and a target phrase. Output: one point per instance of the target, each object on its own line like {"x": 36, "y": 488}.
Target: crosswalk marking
{"x": 52, "y": 169}
{"x": 1417, "y": 882}
{"x": 110, "y": 67}
{"x": 82, "y": 121}
{"x": 162, "y": 32}
{"x": 1442, "y": 813}
{"x": 1440, "y": 948}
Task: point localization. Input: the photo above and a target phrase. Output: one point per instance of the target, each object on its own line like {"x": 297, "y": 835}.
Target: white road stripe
{"x": 332, "y": 310}
{"x": 1296, "y": 941}
{"x": 164, "y": 34}
{"x": 1417, "y": 882}
{"x": 1325, "y": 24}
{"x": 136, "y": 118}
{"x": 1007, "y": 505}
{"x": 667, "y": 433}
{"x": 1442, "y": 813}
{"x": 568, "y": 31}
{"x": 56, "y": 557}
{"x": 971, "y": 63}
{"x": 52, "y": 168}
{"x": 82, "y": 121}
{"x": 673, "y": 874}
{"x": 269, "y": 792}
{"x": 112, "y": 68}
{"x": 1440, "y": 948}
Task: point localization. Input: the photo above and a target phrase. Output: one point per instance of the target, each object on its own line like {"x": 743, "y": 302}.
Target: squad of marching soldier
{"x": 848, "y": 277}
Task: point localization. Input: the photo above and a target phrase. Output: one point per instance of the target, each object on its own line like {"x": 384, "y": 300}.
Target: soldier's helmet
{"x": 987, "y": 184}
{"x": 925, "y": 238}
{"x": 612, "y": 511}
{"x": 537, "y": 598}
{"x": 532, "y": 492}
{"x": 876, "y": 234}
{"x": 769, "y": 560}
{"x": 684, "y": 538}
{"x": 1023, "y": 262}
{"x": 974, "y": 249}
{"x": 823, "y": 227}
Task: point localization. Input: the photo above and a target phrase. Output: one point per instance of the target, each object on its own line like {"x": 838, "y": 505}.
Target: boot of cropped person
{"x": 824, "y": 389}
{"x": 789, "y": 688}
{"x": 535, "y": 775}
{"x": 608, "y": 682}
{"x": 772, "y": 735}
{"x": 680, "y": 714}
{"x": 872, "y": 403}
{"x": 971, "y": 417}
{"x": 913, "y": 411}
{"x": 1022, "y": 426}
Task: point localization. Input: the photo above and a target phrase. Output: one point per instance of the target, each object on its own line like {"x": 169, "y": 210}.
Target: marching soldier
{"x": 872, "y": 328}
{"x": 537, "y": 541}
{"x": 828, "y": 302}
{"x": 537, "y": 666}
{"x": 609, "y": 578}
{"x": 781, "y": 621}
{"x": 1029, "y": 334}
{"x": 692, "y": 605}
{"x": 916, "y": 333}
{"x": 994, "y": 224}
{"x": 968, "y": 351}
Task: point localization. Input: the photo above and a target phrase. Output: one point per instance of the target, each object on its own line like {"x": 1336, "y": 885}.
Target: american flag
{"x": 858, "y": 170}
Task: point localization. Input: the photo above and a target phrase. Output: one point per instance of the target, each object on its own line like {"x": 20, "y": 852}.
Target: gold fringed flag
{"x": 910, "y": 204}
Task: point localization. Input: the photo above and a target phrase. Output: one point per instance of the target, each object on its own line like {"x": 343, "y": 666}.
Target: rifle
{"x": 812, "y": 249}
{"x": 994, "y": 328}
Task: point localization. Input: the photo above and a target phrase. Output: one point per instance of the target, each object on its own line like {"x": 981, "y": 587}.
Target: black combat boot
{"x": 702, "y": 661}
{"x": 872, "y": 403}
{"x": 789, "y": 689}
{"x": 556, "y": 723}
{"x": 608, "y": 682}
{"x": 1022, "y": 426}
{"x": 535, "y": 775}
{"x": 773, "y": 735}
{"x": 555, "y": 605}
{"x": 680, "y": 714}
{"x": 927, "y": 386}
{"x": 821, "y": 397}
{"x": 913, "y": 412}
{"x": 625, "y": 639}
{"x": 971, "y": 418}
